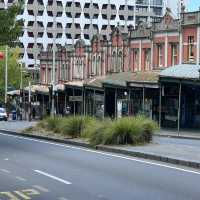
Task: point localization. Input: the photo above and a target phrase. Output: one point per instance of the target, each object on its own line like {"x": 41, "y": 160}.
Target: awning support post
{"x": 160, "y": 106}
{"x": 179, "y": 107}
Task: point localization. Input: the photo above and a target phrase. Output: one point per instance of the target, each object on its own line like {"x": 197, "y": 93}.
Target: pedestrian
{"x": 18, "y": 114}
{"x": 33, "y": 113}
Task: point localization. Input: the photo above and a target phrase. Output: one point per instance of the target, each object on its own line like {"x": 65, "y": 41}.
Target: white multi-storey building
{"x": 65, "y": 21}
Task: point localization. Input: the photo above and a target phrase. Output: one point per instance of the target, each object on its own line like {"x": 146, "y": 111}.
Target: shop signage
{"x": 99, "y": 98}
{"x": 75, "y": 98}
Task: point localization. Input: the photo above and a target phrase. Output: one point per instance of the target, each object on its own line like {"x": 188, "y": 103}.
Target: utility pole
{"x": 29, "y": 100}
{"x": 53, "y": 65}
{"x": 21, "y": 80}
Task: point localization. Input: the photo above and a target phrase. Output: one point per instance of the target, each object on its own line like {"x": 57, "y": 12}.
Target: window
{"x": 94, "y": 65}
{"x": 40, "y": 12}
{"x": 160, "y": 55}
{"x": 174, "y": 54}
{"x": 63, "y": 72}
{"x": 119, "y": 62}
{"x": 190, "y": 48}
{"x": 30, "y": 12}
{"x": 78, "y": 69}
{"x": 136, "y": 59}
{"x": 113, "y": 61}
{"x": 98, "y": 66}
{"x": 147, "y": 57}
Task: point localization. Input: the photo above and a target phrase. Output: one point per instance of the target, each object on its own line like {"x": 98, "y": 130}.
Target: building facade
{"x": 64, "y": 22}
{"x": 166, "y": 43}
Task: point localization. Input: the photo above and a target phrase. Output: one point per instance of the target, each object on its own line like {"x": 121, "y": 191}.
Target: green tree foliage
{"x": 10, "y": 27}
{"x": 14, "y": 72}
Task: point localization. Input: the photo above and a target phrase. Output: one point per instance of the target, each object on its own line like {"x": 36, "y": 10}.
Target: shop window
{"x": 190, "y": 48}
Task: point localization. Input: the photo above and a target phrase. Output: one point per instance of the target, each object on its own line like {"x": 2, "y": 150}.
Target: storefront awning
{"x": 95, "y": 82}
{"x": 118, "y": 79}
{"x": 182, "y": 72}
{"x": 43, "y": 89}
{"x": 14, "y": 93}
{"x": 147, "y": 79}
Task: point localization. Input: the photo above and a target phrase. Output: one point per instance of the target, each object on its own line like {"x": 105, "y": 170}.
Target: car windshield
{"x": 2, "y": 111}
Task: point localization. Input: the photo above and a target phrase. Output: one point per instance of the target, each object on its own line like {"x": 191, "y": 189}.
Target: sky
{"x": 193, "y": 5}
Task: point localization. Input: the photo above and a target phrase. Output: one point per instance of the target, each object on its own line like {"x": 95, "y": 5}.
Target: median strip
{"x": 53, "y": 177}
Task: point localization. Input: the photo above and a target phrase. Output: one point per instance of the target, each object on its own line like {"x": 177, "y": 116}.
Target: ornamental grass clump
{"x": 52, "y": 124}
{"x": 127, "y": 130}
{"x": 74, "y": 125}
{"x": 95, "y": 132}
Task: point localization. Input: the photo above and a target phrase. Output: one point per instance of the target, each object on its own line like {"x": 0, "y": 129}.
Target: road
{"x": 35, "y": 169}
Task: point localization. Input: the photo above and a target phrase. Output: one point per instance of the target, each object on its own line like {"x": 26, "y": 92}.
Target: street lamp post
{"x": 6, "y": 75}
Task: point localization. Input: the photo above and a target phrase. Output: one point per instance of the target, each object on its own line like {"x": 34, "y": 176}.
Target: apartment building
{"x": 66, "y": 21}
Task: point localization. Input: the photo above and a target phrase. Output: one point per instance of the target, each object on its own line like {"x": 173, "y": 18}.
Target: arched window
{"x": 113, "y": 61}
{"x": 120, "y": 62}
{"x": 99, "y": 65}
{"x": 78, "y": 69}
{"x": 94, "y": 65}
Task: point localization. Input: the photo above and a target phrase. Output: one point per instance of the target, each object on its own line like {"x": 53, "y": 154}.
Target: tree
{"x": 14, "y": 72}
{"x": 10, "y": 28}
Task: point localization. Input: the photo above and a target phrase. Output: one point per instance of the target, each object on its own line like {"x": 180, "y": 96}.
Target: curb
{"x": 177, "y": 137}
{"x": 67, "y": 141}
{"x": 164, "y": 159}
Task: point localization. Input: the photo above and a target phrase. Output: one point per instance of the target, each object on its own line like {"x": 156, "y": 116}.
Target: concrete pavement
{"x": 34, "y": 169}
{"x": 16, "y": 125}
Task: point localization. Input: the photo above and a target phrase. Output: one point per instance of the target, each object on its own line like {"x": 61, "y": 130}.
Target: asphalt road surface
{"x": 35, "y": 169}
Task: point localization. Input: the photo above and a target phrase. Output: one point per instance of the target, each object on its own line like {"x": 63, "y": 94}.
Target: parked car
{"x": 3, "y": 114}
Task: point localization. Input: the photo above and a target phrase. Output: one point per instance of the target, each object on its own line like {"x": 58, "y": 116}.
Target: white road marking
{"x": 5, "y": 171}
{"x": 41, "y": 188}
{"x": 6, "y": 159}
{"x": 53, "y": 177}
{"x": 62, "y": 198}
{"x": 106, "y": 154}
{"x": 20, "y": 178}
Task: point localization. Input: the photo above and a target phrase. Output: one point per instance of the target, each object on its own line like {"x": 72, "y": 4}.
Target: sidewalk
{"x": 187, "y": 134}
{"x": 177, "y": 151}
{"x": 16, "y": 125}
{"x": 185, "y": 152}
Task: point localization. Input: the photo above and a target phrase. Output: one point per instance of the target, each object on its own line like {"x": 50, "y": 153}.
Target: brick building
{"x": 164, "y": 44}
{"x": 127, "y": 67}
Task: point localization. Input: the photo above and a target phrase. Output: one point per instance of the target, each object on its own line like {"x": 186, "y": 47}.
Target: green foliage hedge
{"x": 127, "y": 130}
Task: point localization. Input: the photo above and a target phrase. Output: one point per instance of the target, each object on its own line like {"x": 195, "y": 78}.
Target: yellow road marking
{"x": 22, "y": 195}
{"x": 9, "y": 194}
{"x": 30, "y": 192}
{"x": 41, "y": 188}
